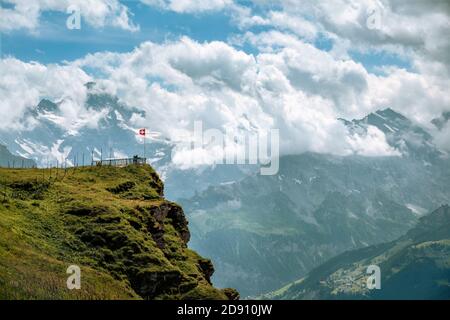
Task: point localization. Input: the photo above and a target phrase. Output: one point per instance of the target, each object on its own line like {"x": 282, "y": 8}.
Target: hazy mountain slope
{"x": 7, "y": 159}
{"x": 112, "y": 222}
{"x": 416, "y": 266}
{"x": 265, "y": 230}
{"x": 401, "y": 133}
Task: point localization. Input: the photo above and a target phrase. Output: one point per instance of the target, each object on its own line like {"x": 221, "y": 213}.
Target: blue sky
{"x": 52, "y": 42}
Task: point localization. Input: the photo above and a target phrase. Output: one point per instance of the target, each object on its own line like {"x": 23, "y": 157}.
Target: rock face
{"x": 415, "y": 266}
{"x": 114, "y": 223}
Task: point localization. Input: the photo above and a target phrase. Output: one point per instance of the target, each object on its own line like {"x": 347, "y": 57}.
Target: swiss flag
{"x": 142, "y": 132}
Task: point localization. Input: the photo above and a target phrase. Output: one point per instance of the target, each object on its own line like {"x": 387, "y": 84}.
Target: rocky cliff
{"x": 114, "y": 223}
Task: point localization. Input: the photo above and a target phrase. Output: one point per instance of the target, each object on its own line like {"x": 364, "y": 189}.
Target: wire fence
{"x": 74, "y": 162}
{"x": 19, "y": 164}
{"x": 64, "y": 169}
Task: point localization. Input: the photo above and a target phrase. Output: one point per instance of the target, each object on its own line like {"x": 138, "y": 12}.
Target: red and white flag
{"x": 142, "y": 132}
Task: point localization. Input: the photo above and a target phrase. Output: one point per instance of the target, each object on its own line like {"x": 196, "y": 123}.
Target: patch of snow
{"x": 389, "y": 128}
{"x": 227, "y": 183}
{"x": 352, "y": 215}
{"x": 72, "y": 127}
{"x": 32, "y": 150}
{"x": 379, "y": 115}
{"x": 310, "y": 219}
{"x": 119, "y": 116}
{"x": 57, "y": 153}
{"x": 25, "y": 147}
{"x": 417, "y": 210}
{"x": 98, "y": 152}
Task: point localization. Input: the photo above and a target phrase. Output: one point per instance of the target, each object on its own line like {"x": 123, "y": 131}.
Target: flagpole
{"x": 145, "y": 132}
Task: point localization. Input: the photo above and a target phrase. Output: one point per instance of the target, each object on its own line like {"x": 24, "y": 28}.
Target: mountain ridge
{"x": 260, "y": 231}
{"x": 7, "y": 159}
{"x": 415, "y": 266}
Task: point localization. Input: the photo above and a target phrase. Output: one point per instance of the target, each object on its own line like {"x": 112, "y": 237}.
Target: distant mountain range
{"x": 265, "y": 231}
{"x": 8, "y": 160}
{"x": 415, "y": 266}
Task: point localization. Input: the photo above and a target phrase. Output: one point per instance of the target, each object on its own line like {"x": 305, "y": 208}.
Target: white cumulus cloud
{"x": 25, "y": 14}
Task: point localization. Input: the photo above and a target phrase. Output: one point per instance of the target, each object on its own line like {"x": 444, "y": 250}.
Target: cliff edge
{"x": 113, "y": 223}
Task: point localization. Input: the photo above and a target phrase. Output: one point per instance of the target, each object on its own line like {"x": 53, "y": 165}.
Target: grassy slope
{"x": 129, "y": 242}
{"x": 416, "y": 266}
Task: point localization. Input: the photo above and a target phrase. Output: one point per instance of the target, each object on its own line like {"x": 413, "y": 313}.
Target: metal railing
{"x": 120, "y": 162}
